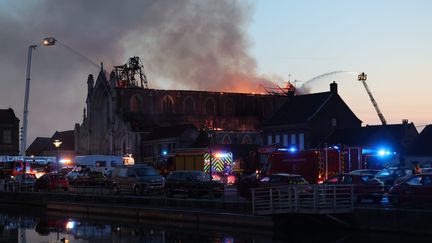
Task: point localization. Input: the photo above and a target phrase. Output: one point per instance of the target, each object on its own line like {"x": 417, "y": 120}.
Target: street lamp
{"x": 46, "y": 42}
{"x": 57, "y": 144}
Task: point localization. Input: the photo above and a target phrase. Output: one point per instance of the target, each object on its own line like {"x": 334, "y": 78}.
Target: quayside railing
{"x": 305, "y": 199}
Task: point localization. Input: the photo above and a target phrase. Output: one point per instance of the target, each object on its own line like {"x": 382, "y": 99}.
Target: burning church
{"x": 124, "y": 116}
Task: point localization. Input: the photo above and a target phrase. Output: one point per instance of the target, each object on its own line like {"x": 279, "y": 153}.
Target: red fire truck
{"x": 15, "y": 165}
{"x": 314, "y": 165}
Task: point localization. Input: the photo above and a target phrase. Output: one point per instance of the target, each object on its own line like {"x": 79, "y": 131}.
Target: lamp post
{"x": 57, "y": 144}
{"x": 46, "y": 42}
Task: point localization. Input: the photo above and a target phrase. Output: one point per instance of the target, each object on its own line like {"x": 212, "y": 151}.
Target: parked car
{"x": 72, "y": 175}
{"x": 137, "y": 178}
{"x": 365, "y": 186}
{"x": 388, "y": 175}
{"x": 245, "y": 184}
{"x": 274, "y": 180}
{"x": 25, "y": 182}
{"x": 192, "y": 183}
{"x": 87, "y": 178}
{"x": 416, "y": 189}
{"x": 51, "y": 181}
{"x": 365, "y": 171}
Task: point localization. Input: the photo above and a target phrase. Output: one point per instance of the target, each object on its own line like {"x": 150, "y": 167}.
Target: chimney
{"x": 333, "y": 87}
{"x": 405, "y": 121}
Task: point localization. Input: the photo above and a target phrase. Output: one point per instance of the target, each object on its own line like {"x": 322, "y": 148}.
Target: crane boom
{"x": 362, "y": 77}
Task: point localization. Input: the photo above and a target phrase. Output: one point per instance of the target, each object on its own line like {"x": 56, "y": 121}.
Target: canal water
{"x": 37, "y": 225}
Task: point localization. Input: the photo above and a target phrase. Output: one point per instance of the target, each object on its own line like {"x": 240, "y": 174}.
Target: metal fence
{"x": 314, "y": 199}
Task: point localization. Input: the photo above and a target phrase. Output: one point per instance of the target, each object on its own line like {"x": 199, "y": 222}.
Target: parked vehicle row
{"x": 138, "y": 179}
{"x": 192, "y": 183}
{"x": 144, "y": 179}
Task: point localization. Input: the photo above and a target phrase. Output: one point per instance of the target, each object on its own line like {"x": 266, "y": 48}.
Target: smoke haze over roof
{"x": 188, "y": 44}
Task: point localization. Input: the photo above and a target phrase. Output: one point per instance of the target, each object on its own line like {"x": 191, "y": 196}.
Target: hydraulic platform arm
{"x": 362, "y": 77}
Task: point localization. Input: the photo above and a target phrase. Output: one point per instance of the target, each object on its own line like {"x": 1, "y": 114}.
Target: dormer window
{"x": 334, "y": 122}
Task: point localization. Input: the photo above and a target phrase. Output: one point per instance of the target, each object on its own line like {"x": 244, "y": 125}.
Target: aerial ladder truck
{"x": 362, "y": 77}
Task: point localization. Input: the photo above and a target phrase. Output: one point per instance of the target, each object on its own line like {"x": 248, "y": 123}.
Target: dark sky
{"x": 184, "y": 44}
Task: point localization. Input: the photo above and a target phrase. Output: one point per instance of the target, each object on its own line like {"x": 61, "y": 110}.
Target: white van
{"x": 102, "y": 163}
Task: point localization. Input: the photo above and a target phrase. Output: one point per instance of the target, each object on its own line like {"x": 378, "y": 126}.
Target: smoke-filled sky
{"x": 226, "y": 45}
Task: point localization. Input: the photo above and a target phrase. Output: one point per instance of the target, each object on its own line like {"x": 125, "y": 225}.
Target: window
{"x": 285, "y": 140}
{"x": 188, "y": 106}
{"x": 209, "y": 107}
{"x": 334, "y": 122}
{"x": 267, "y": 108}
{"x": 269, "y": 139}
{"x": 293, "y": 140}
{"x": 168, "y": 105}
{"x": 301, "y": 141}
{"x": 229, "y": 108}
{"x": 100, "y": 163}
{"x": 415, "y": 181}
{"x": 333, "y": 180}
{"x": 7, "y": 136}
{"x": 346, "y": 179}
{"x": 277, "y": 137}
{"x": 246, "y": 140}
{"x": 427, "y": 180}
{"x": 226, "y": 139}
{"x": 135, "y": 104}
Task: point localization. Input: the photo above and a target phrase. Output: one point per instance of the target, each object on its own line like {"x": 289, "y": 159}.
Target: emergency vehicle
{"x": 15, "y": 165}
{"x": 315, "y": 165}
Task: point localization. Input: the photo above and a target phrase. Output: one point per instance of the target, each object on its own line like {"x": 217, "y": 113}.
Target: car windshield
{"x": 146, "y": 171}
{"x": 289, "y": 179}
{"x": 298, "y": 180}
{"x": 386, "y": 172}
{"x": 199, "y": 176}
{"x": 366, "y": 178}
{"x": 30, "y": 176}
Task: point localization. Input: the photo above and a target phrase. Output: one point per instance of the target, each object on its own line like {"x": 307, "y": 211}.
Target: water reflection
{"x": 37, "y": 225}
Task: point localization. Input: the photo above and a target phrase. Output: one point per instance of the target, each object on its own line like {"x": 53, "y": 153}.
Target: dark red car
{"x": 245, "y": 187}
{"x": 52, "y": 181}
{"x": 416, "y": 189}
{"x": 366, "y": 186}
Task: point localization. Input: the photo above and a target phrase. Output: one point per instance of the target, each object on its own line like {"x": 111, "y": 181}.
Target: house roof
{"x": 67, "y": 138}
{"x": 422, "y": 145}
{"x": 8, "y": 116}
{"x": 395, "y": 135}
{"x": 299, "y": 108}
{"x": 169, "y": 132}
{"x": 39, "y": 145}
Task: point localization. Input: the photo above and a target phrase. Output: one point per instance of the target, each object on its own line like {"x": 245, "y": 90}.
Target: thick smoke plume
{"x": 185, "y": 44}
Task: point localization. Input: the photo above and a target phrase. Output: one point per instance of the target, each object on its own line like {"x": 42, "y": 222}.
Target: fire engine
{"x": 315, "y": 165}
{"x": 15, "y": 165}
{"x": 219, "y": 162}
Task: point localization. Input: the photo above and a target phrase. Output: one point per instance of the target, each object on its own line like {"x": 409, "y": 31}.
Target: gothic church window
{"x": 267, "y": 108}
{"x": 246, "y": 140}
{"x": 210, "y": 107}
{"x": 229, "y": 108}
{"x": 226, "y": 139}
{"x": 135, "y": 104}
{"x": 188, "y": 106}
{"x": 168, "y": 104}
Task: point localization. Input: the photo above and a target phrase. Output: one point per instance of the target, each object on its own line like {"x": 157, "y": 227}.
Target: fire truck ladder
{"x": 362, "y": 77}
